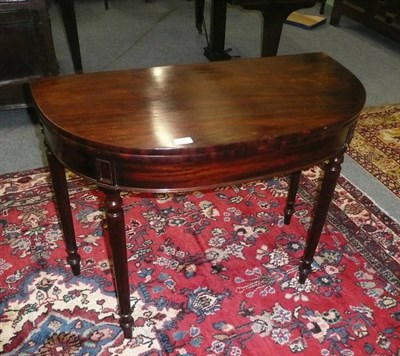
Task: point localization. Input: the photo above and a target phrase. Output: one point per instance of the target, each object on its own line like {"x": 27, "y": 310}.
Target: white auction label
{"x": 182, "y": 140}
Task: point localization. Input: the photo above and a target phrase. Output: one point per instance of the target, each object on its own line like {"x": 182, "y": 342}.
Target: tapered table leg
{"x": 272, "y": 30}
{"x": 274, "y": 16}
{"x": 67, "y": 9}
{"x": 336, "y": 13}
{"x": 331, "y": 176}
{"x": 60, "y": 187}
{"x": 116, "y": 231}
{"x": 293, "y": 186}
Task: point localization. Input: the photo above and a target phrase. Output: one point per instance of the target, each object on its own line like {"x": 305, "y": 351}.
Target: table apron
{"x": 174, "y": 173}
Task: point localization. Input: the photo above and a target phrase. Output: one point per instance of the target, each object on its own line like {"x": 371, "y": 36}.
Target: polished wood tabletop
{"x": 196, "y": 126}
{"x": 243, "y": 109}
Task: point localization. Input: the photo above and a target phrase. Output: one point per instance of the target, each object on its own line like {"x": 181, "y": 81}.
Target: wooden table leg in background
{"x": 116, "y": 232}
{"x": 272, "y": 29}
{"x": 336, "y": 13}
{"x": 274, "y": 16}
{"x": 215, "y": 51}
{"x": 57, "y": 172}
{"x": 332, "y": 172}
{"x": 199, "y": 14}
{"x": 67, "y": 9}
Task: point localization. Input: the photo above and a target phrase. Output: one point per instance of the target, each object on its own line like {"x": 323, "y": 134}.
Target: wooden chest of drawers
{"x": 27, "y": 50}
{"x": 380, "y": 15}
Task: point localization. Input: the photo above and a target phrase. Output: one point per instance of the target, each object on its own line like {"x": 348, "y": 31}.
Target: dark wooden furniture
{"x": 67, "y": 9}
{"x": 380, "y": 15}
{"x": 26, "y": 49}
{"x": 274, "y": 12}
{"x": 191, "y": 127}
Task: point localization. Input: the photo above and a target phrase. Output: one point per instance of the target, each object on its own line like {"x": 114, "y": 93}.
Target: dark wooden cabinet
{"x": 380, "y": 15}
{"x": 26, "y": 49}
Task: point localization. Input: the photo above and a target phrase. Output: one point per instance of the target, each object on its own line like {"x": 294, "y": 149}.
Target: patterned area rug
{"x": 376, "y": 145}
{"x": 212, "y": 273}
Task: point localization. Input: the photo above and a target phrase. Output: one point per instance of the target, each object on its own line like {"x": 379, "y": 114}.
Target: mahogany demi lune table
{"x": 196, "y": 126}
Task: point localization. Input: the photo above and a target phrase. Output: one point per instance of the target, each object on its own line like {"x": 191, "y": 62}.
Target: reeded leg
{"x": 331, "y": 176}
{"x": 116, "y": 231}
{"x": 59, "y": 179}
{"x": 294, "y": 185}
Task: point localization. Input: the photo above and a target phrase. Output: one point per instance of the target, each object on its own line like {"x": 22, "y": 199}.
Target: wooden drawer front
{"x": 20, "y": 57}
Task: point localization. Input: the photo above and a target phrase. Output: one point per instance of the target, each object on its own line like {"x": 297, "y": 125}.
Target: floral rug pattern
{"x": 376, "y": 145}
{"x": 211, "y": 273}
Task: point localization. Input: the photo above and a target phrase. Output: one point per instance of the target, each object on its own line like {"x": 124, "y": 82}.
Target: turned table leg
{"x": 116, "y": 232}
{"x": 331, "y": 176}
{"x": 293, "y": 186}
{"x": 60, "y": 187}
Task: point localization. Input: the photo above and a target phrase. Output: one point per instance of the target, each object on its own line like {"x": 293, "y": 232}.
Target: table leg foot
{"x": 126, "y": 323}
{"x": 74, "y": 261}
{"x": 304, "y": 269}
{"x": 214, "y": 55}
{"x": 293, "y": 187}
